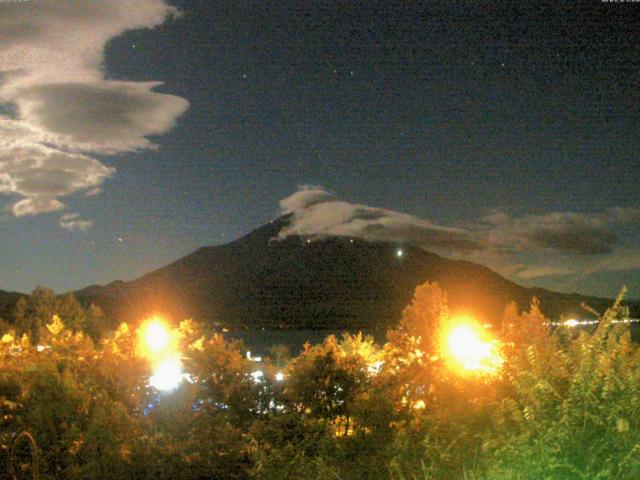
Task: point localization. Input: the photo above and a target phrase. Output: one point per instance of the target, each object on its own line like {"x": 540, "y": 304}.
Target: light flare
{"x": 155, "y": 339}
{"x": 470, "y": 349}
{"x": 158, "y": 343}
{"x": 167, "y": 375}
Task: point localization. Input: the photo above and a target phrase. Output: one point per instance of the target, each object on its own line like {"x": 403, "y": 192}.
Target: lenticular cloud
{"x": 56, "y": 106}
{"x": 317, "y": 213}
{"x": 527, "y": 246}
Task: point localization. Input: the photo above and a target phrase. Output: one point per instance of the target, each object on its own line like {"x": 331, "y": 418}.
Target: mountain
{"x": 334, "y": 283}
{"x": 7, "y": 302}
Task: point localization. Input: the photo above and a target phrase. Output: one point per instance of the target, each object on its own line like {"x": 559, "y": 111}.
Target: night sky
{"x": 505, "y": 133}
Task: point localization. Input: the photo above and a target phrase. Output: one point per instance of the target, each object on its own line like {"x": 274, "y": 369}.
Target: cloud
{"x": 63, "y": 40}
{"x": 537, "y": 271}
{"x": 41, "y": 174}
{"x": 40, "y": 171}
{"x": 620, "y": 260}
{"x": 568, "y": 233}
{"x": 317, "y": 213}
{"x": 103, "y": 117}
{"x": 72, "y": 222}
{"x": 63, "y": 108}
{"x": 573, "y": 238}
{"x": 306, "y": 196}
{"x": 561, "y": 244}
{"x": 526, "y": 247}
{"x": 36, "y": 205}
{"x": 94, "y": 191}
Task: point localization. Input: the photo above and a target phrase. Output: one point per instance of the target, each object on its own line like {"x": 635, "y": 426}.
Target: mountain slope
{"x": 7, "y": 302}
{"x": 297, "y": 283}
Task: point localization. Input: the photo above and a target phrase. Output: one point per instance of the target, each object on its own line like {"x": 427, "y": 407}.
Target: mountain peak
{"x": 317, "y": 283}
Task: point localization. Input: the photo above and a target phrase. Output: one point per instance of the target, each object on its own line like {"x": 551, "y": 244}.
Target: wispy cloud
{"x": 59, "y": 107}
{"x": 523, "y": 247}
{"x": 316, "y": 212}
{"x": 563, "y": 232}
{"x": 72, "y": 222}
{"x": 538, "y": 271}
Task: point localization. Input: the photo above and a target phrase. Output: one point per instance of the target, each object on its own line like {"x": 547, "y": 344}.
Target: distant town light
{"x": 279, "y": 377}
{"x": 399, "y": 253}
{"x": 573, "y": 322}
{"x": 253, "y": 359}
{"x": 257, "y": 376}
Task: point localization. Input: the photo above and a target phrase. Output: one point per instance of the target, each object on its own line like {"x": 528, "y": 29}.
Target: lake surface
{"x": 259, "y": 341}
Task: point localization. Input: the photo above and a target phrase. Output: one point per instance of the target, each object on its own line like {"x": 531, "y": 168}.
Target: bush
{"x": 562, "y": 406}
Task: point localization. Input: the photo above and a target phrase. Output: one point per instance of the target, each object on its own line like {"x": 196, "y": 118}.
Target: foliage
{"x": 563, "y": 405}
{"x": 32, "y": 313}
{"x": 571, "y": 406}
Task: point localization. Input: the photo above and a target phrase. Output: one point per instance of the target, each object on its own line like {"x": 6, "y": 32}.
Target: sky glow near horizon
{"x": 131, "y": 137}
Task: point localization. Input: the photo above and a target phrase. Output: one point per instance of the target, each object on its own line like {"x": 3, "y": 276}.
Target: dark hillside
{"x": 257, "y": 281}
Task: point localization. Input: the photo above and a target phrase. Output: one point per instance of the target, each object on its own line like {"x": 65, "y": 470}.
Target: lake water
{"x": 259, "y": 341}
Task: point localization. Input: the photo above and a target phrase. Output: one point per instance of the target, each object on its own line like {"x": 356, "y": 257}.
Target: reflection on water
{"x": 260, "y": 341}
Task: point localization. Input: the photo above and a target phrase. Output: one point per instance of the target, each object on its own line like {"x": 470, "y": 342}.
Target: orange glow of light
{"x": 470, "y": 349}
{"x": 155, "y": 338}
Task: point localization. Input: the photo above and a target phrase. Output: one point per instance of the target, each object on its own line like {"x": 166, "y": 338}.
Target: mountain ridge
{"x": 259, "y": 281}
{"x": 7, "y": 302}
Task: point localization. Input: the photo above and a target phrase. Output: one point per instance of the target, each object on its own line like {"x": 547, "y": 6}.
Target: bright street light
{"x": 154, "y": 339}
{"x": 157, "y": 336}
{"x": 470, "y": 349}
{"x": 157, "y": 342}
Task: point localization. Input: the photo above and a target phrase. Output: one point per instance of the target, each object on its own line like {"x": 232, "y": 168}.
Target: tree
{"x": 34, "y": 312}
{"x": 444, "y": 416}
{"x": 95, "y": 324}
{"x": 281, "y": 354}
{"x": 324, "y": 382}
{"x": 421, "y": 319}
{"x": 570, "y": 411}
{"x": 71, "y": 312}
